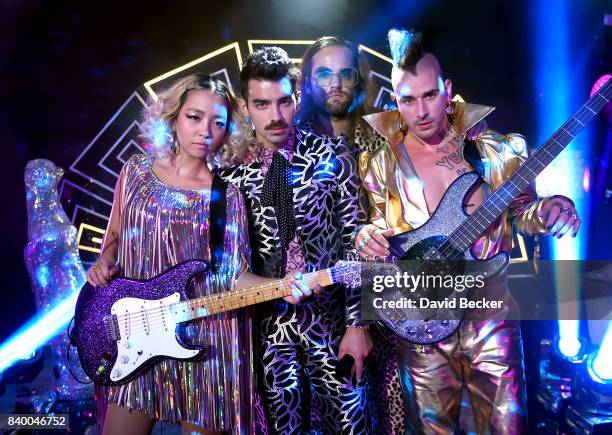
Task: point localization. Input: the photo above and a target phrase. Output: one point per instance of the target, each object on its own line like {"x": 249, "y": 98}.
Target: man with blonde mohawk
{"x": 405, "y": 181}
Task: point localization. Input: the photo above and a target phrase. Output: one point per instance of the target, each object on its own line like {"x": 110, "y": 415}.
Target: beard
{"x": 339, "y": 107}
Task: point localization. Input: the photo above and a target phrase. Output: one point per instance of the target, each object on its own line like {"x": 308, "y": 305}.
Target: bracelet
{"x": 355, "y": 233}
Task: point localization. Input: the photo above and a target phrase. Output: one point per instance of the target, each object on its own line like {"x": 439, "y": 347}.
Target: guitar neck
{"x": 493, "y": 207}
{"x": 234, "y": 299}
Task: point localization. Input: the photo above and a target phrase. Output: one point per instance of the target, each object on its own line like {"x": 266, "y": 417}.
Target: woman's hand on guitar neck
{"x": 372, "y": 242}
{"x": 101, "y": 272}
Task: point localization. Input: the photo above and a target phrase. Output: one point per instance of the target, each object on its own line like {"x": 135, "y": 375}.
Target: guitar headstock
{"x": 347, "y": 272}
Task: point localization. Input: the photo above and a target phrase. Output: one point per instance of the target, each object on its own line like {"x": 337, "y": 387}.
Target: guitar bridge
{"x": 111, "y": 325}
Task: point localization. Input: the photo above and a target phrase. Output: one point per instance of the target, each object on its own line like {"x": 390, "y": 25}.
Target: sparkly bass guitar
{"x": 449, "y": 233}
{"x": 122, "y": 329}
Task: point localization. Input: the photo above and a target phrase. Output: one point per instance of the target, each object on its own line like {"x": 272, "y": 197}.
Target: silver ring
{"x": 366, "y": 238}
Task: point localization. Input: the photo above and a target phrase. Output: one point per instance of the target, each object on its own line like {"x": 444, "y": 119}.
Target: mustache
{"x": 336, "y": 92}
{"x": 276, "y": 124}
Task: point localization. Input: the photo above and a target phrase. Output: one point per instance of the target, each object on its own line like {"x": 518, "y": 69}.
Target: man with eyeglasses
{"x": 335, "y": 94}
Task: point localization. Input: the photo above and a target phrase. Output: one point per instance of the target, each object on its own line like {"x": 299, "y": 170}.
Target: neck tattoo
{"x": 445, "y": 136}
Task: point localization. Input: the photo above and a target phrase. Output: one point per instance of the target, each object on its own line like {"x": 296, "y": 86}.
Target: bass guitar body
{"x": 430, "y": 243}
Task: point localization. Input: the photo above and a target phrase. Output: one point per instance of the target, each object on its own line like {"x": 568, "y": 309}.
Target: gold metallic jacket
{"x": 396, "y": 195}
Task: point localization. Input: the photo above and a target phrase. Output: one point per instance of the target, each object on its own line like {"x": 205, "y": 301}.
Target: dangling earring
{"x": 175, "y": 144}
{"x": 449, "y": 107}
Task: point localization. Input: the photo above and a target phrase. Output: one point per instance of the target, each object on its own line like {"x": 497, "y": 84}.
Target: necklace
{"x": 449, "y": 135}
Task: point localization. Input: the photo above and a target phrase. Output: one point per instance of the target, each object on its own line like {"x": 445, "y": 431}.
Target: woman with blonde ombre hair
{"x": 161, "y": 113}
{"x": 161, "y": 216}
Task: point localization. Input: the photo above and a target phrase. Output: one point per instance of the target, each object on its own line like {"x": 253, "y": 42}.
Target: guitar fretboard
{"x": 481, "y": 219}
{"x": 234, "y": 299}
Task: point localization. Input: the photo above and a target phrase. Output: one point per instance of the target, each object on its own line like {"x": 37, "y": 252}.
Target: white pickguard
{"x": 147, "y": 330}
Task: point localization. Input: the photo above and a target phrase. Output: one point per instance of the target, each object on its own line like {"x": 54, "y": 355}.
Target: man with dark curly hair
{"x": 301, "y": 192}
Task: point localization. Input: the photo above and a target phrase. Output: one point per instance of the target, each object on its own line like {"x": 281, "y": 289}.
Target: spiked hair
{"x": 406, "y": 48}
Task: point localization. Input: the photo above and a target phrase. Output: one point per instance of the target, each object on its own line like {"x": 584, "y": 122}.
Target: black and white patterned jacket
{"x": 326, "y": 209}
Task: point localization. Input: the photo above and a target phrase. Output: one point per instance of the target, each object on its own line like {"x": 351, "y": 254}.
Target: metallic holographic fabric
{"x": 299, "y": 343}
{"x": 485, "y": 354}
{"x": 52, "y": 260}
{"x": 161, "y": 226}
{"x": 396, "y": 194}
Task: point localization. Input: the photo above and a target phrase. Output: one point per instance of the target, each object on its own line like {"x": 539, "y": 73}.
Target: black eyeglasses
{"x": 348, "y": 77}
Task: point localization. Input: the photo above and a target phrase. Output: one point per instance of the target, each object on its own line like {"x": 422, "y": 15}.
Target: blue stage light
{"x": 560, "y": 88}
{"x": 37, "y": 332}
{"x": 599, "y": 363}
{"x": 569, "y": 346}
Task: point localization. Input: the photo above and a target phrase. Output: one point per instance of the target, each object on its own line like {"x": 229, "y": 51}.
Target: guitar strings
{"x": 155, "y": 318}
{"x": 503, "y": 190}
{"x": 447, "y": 246}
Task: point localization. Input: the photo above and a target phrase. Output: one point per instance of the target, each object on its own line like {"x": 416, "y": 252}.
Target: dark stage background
{"x": 65, "y": 69}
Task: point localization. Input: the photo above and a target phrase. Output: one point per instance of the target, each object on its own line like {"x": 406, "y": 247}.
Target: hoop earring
{"x": 401, "y": 126}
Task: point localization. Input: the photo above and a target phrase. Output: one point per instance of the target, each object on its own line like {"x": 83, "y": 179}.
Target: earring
{"x": 175, "y": 145}
{"x": 449, "y": 107}
{"x": 400, "y": 124}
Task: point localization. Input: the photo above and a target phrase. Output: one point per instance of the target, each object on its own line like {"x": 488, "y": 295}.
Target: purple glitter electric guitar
{"x": 122, "y": 329}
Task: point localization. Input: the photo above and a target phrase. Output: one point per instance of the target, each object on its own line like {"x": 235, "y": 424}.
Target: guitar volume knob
{"x": 117, "y": 373}
{"x": 124, "y": 359}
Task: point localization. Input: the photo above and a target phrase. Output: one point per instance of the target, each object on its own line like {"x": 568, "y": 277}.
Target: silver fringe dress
{"x": 161, "y": 226}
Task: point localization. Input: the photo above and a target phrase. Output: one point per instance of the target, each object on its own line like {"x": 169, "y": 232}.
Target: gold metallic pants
{"x": 486, "y": 356}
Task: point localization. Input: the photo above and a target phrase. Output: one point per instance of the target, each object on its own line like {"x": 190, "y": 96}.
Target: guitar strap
{"x": 218, "y": 213}
{"x": 472, "y": 156}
